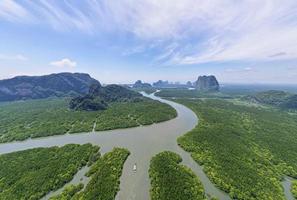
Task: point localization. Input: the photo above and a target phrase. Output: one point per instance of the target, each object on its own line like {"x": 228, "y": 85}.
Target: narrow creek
{"x": 78, "y": 178}
{"x": 143, "y": 142}
{"x": 287, "y": 184}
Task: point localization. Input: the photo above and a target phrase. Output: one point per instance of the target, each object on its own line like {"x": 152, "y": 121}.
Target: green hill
{"x": 99, "y": 97}
{"x": 38, "y": 87}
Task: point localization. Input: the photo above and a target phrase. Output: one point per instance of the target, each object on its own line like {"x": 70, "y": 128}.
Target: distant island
{"x": 160, "y": 84}
{"x": 139, "y": 84}
{"x": 207, "y": 83}
{"x": 203, "y": 83}
{"x": 78, "y": 85}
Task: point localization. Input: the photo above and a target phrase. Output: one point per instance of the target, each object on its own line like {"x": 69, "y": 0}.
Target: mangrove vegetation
{"x": 38, "y": 118}
{"x": 171, "y": 180}
{"x": 294, "y": 188}
{"x": 105, "y": 176}
{"x": 32, "y": 173}
{"x": 69, "y": 192}
{"x": 244, "y": 150}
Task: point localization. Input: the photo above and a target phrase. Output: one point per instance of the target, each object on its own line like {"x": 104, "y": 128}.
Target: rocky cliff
{"x": 207, "y": 83}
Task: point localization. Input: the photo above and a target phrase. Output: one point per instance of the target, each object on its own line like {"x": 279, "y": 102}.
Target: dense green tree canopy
{"x": 276, "y": 98}
{"x": 32, "y": 173}
{"x": 294, "y": 188}
{"x": 105, "y": 179}
{"x": 99, "y": 97}
{"x": 105, "y": 176}
{"x": 245, "y": 150}
{"x": 39, "y": 118}
{"x": 172, "y": 181}
{"x": 69, "y": 192}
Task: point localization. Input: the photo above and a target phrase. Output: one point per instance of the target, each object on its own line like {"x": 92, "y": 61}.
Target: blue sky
{"x": 246, "y": 41}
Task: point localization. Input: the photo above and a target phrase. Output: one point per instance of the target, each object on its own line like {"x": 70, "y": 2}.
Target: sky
{"x": 247, "y": 41}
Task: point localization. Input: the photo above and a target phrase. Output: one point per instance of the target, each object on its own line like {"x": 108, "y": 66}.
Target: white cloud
{"x": 12, "y": 11}
{"x": 216, "y": 30}
{"x": 64, "y": 63}
{"x": 168, "y": 52}
{"x": 240, "y": 70}
{"x": 206, "y": 31}
{"x": 133, "y": 50}
{"x": 18, "y": 57}
{"x": 248, "y": 69}
{"x": 253, "y": 30}
{"x": 63, "y": 18}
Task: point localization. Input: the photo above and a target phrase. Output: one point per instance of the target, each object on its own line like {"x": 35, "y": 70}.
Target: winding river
{"x": 143, "y": 142}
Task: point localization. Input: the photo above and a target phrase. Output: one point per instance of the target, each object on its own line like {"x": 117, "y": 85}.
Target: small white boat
{"x": 134, "y": 167}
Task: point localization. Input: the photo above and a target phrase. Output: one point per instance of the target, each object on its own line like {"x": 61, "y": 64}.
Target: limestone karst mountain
{"x": 207, "y": 83}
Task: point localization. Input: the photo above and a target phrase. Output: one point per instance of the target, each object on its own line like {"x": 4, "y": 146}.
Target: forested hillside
{"x": 37, "y": 87}
{"x": 99, "y": 98}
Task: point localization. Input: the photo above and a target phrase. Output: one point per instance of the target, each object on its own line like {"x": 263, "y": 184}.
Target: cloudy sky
{"x": 248, "y": 41}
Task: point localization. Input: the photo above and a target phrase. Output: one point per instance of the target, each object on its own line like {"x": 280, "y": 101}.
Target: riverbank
{"x": 143, "y": 142}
